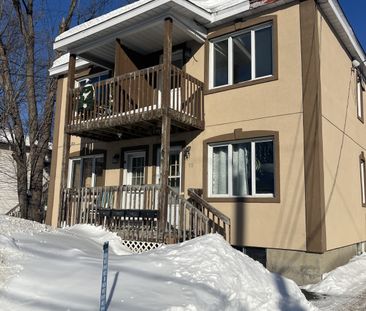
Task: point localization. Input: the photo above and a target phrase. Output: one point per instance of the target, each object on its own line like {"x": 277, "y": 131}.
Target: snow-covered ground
{"x": 45, "y": 269}
{"x": 343, "y": 288}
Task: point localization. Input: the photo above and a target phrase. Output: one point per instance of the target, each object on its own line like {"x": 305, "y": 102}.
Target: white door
{"x": 134, "y": 175}
{"x": 174, "y": 180}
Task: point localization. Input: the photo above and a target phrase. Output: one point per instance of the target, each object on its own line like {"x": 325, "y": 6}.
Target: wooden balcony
{"x": 130, "y": 105}
{"x": 132, "y": 211}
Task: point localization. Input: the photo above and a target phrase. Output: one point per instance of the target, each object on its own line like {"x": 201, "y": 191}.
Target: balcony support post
{"x": 165, "y": 124}
{"x": 66, "y": 143}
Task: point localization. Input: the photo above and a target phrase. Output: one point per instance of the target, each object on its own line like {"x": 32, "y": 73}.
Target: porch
{"x": 130, "y": 105}
{"x": 133, "y": 212}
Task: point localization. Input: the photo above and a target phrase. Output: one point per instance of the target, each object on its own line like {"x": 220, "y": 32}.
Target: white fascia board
{"x": 61, "y": 42}
{"x": 61, "y": 65}
{"x": 195, "y": 9}
{"x": 358, "y": 52}
{"x": 232, "y": 11}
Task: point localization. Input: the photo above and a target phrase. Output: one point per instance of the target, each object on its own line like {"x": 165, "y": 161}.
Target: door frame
{"x": 130, "y": 155}
{"x": 123, "y": 164}
{"x": 174, "y": 145}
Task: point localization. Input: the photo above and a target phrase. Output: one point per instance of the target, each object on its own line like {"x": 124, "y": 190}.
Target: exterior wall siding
{"x": 275, "y": 106}
{"x": 344, "y": 138}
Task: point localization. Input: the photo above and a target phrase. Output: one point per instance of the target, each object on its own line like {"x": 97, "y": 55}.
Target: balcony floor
{"x": 136, "y": 125}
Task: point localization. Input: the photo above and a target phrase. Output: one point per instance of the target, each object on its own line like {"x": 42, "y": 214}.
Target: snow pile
{"x": 11, "y": 225}
{"x": 348, "y": 278}
{"x": 61, "y": 270}
{"x": 239, "y": 281}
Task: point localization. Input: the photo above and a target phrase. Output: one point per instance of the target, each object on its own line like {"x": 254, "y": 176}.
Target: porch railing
{"x": 132, "y": 211}
{"x": 220, "y": 222}
{"x": 136, "y": 93}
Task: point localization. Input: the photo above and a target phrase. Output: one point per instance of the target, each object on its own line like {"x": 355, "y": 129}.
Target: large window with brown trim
{"x": 363, "y": 180}
{"x": 86, "y": 171}
{"x": 241, "y": 56}
{"x": 360, "y": 90}
{"x": 242, "y": 168}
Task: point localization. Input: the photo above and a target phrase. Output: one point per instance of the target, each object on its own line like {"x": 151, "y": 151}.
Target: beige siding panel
{"x": 344, "y": 138}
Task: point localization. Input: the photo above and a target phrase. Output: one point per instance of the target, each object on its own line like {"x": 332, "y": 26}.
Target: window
{"x": 243, "y": 56}
{"x": 360, "y": 90}
{"x": 86, "y": 171}
{"x": 98, "y": 77}
{"x": 363, "y": 181}
{"x": 242, "y": 168}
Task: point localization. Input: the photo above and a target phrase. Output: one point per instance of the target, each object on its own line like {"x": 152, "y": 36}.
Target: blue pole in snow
{"x": 103, "y": 290}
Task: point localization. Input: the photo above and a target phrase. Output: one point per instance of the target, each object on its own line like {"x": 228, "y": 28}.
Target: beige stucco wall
{"x": 344, "y": 137}
{"x": 57, "y": 154}
{"x": 275, "y": 106}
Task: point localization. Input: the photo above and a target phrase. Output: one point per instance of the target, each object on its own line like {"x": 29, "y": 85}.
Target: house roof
{"x": 140, "y": 26}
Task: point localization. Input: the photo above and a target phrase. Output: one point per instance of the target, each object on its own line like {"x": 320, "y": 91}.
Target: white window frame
{"x": 360, "y": 104}
{"x": 81, "y": 159}
{"x": 177, "y": 149}
{"x": 363, "y": 181}
{"x": 230, "y": 144}
{"x": 130, "y": 155}
{"x": 229, "y": 37}
{"x": 98, "y": 74}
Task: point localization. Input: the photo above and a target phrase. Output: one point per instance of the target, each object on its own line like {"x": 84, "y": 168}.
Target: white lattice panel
{"x": 139, "y": 246}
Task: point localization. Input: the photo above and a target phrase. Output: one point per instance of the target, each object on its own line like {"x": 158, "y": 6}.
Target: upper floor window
{"x": 243, "y": 168}
{"x": 360, "y": 90}
{"x": 242, "y": 56}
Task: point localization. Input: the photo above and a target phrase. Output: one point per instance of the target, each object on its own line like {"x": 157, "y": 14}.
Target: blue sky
{"x": 355, "y": 11}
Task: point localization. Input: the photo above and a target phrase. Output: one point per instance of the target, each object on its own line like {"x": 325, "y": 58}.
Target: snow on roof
{"x": 216, "y": 5}
{"x": 210, "y": 6}
{"x": 102, "y": 18}
{"x": 61, "y": 65}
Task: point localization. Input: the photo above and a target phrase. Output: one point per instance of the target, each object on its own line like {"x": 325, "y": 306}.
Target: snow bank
{"x": 239, "y": 281}
{"x": 61, "y": 270}
{"x": 350, "y": 278}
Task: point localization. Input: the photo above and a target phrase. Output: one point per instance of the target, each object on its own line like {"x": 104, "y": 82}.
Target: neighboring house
{"x": 9, "y": 203}
{"x": 8, "y": 179}
{"x": 259, "y": 105}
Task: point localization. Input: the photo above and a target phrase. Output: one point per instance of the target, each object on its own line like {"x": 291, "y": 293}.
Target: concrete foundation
{"x": 307, "y": 268}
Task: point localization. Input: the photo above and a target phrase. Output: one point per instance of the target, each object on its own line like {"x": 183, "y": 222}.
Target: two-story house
{"x": 177, "y": 118}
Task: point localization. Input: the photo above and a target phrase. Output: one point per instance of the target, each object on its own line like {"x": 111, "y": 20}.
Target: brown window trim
{"x": 144, "y": 148}
{"x": 238, "y": 134}
{"x": 359, "y": 80}
{"x": 234, "y": 28}
{"x": 84, "y": 153}
{"x": 362, "y": 159}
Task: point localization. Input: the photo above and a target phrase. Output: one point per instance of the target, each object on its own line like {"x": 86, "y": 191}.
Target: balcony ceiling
{"x": 142, "y": 32}
{"x": 144, "y": 41}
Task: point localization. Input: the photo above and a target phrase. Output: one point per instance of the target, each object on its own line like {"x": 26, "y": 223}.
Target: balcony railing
{"x": 133, "y": 212}
{"x": 136, "y": 96}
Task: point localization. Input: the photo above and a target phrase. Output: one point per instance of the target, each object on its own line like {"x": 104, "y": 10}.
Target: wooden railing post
{"x": 165, "y": 127}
